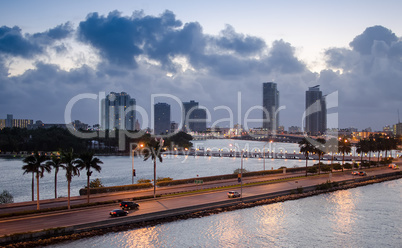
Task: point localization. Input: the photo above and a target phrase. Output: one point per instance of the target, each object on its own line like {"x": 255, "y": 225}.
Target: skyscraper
{"x": 118, "y": 111}
{"x": 270, "y": 103}
{"x": 161, "y": 118}
{"x": 316, "y": 111}
{"x": 194, "y": 117}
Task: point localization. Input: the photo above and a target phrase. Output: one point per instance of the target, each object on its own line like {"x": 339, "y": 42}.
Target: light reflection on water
{"x": 368, "y": 216}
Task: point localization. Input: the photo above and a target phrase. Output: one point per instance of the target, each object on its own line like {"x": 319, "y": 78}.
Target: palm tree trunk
{"x": 319, "y": 164}
{"x": 33, "y": 187}
{"x": 37, "y": 191}
{"x": 68, "y": 195}
{"x": 343, "y": 160}
{"x": 55, "y": 185}
{"x": 155, "y": 178}
{"x": 306, "y": 164}
{"x": 88, "y": 189}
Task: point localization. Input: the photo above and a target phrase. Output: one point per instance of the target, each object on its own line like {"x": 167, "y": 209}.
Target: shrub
{"x": 116, "y": 188}
{"x": 6, "y": 197}
{"x": 337, "y": 166}
{"x": 96, "y": 183}
{"x": 238, "y": 171}
{"x": 347, "y": 166}
{"x": 312, "y": 170}
{"x": 326, "y": 168}
{"x": 139, "y": 181}
{"x": 164, "y": 179}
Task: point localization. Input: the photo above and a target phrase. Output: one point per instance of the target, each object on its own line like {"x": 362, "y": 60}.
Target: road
{"x": 74, "y": 217}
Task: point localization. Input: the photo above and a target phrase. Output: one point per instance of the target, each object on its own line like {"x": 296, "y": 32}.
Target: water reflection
{"x": 350, "y": 218}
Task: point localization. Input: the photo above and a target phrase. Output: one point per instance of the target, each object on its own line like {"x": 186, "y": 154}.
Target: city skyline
{"x": 196, "y": 53}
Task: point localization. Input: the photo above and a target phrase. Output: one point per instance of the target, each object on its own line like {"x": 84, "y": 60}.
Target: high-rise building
{"x": 316, "y": 111}
{"x": 194, "y": 117}
{"x": 118, "y": 111}
{"x": 270, "y": 103}
{"x": 161, "y": 118}
{"x": 9, "y": 121}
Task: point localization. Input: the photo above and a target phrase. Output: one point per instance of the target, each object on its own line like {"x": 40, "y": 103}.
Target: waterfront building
{"x": 40, "y": 124}
{"x": 398, "y": 128}
{"x": 162, "y": 124}
{"x": 195, "y": 118}
{"x": 270, "y": 103}
{"x": 118, "y": 112}
{"x": 294, "y": 129}
{"x": 316, "y": 112}
{"x": 10, "y": 122}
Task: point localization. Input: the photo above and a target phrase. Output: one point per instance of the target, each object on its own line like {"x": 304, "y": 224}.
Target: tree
{"x": 344, "y": 146}
{"x": 362, "y": 147}
{"x": 6, "y": 197}
{"x": 69, "y": 160}
{"x": 87, "y": 161}
{"x": 35, "y": 164}
{"x": 320, "y": 151}
{"x": 306, "y": 147}
{"x": 153, "y": 150}
{"x": 55, "y": 162}
{"x": 30, "y": 168}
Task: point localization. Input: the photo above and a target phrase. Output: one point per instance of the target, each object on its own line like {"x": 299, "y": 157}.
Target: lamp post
{"x": 132, "y": 162}
{"x": 241, "y": 176}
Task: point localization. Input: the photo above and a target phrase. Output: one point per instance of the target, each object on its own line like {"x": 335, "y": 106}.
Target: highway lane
{"x": 60, "y": 202}
{"x": 101, "y": 213}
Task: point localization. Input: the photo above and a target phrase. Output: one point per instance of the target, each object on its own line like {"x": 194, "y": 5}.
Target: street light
{"x": 241, "y": 175}
{"x": 263, "y": 150}
{"x": 132, "y": 158}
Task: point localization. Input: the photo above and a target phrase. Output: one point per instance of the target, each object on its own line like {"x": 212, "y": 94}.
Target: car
{"x": 233, "y": 194}
{"x": 118, "y": 212}
{"x": 362, "y": 173}
{"x": 129, "y": 205}
{"x": 355, "y": 173}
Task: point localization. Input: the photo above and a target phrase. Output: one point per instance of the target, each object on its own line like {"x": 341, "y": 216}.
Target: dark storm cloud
{"x": 12, "y": 42}
{"x": 364, "y": 43}
{"x": 120, "y": 40}
{"x": 58, "y": 33}
{"x": 239, "y": 43}
{"x": 282, "y": 59}
{"x": 370, "y": 76}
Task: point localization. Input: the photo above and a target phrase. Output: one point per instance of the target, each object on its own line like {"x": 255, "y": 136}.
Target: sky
{"x": 57, "y": 56}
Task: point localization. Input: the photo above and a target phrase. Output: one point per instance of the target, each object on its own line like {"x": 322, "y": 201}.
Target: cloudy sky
{"x": 215, "y": 52}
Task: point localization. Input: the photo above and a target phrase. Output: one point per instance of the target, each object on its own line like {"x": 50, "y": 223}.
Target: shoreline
{"x": 197, "y": 214}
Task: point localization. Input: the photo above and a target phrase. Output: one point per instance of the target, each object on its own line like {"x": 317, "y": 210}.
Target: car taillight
{"x": 126, "y": 206}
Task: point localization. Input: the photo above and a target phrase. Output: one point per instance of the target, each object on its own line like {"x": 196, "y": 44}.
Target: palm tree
{"x": 306, "y": 147}
{"x": 344, "y": 147}
{"x": 68, "y": 160}
{"x": 87, "y": 161}
{"x": 29, "y": 167}
{"x": 55, "y": 162}
{"x": 154, "y": 150}
{"x": 320, "y": 151}
{"x": 34, "y": 164}
{"x": 362, "y": 146}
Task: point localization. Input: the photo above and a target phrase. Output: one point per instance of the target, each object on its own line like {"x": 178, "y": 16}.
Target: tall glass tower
{"x": 118, "y": 112}
{"x": 161, "y": 118}
{"x": 270, "y": 103}
{"x": 316, "y": 111}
